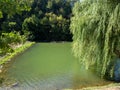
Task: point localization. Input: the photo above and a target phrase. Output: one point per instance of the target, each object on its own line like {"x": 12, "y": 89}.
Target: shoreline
{"x": 18, "y": 50}
{"x": 112, "y": 86}
{"x": 8, "y": 58}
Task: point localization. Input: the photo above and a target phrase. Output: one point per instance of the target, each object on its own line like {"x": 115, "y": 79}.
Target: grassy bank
{"x": 8, "y": 57}
{"x": 18, "y": 50}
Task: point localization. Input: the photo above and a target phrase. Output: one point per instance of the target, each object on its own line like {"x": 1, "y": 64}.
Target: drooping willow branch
{"x": 96, "y": 33}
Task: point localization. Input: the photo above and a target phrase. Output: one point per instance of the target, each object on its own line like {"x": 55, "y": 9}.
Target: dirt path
{"x": 108, "y": 87}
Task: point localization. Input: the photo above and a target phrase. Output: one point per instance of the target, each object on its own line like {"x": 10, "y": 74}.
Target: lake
{"x": 49, "y": 66}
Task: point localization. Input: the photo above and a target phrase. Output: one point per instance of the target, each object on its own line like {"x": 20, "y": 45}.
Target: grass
{"x": 16, "y": 52}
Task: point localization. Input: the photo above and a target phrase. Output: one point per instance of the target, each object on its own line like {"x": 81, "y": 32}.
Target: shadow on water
{"x": 49, "y": 66}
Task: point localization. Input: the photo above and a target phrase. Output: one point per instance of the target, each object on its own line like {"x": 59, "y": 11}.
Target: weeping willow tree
{"x": 95, "y": 26}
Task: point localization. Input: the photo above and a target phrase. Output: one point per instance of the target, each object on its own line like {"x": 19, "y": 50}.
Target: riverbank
{"x": 8, "y": 57}
{"x": 18, "y": 50}
{"x": 112, "y": 86}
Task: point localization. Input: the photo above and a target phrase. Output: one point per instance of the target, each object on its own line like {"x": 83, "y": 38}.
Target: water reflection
{"x": 49, "y": 66}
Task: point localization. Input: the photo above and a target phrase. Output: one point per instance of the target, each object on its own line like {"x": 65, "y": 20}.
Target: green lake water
{"x": 49, "y": 66}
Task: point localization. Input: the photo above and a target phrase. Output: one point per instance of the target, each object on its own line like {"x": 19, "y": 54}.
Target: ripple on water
{"x": 48, "y": 67}
{"x": 57, "y": 82}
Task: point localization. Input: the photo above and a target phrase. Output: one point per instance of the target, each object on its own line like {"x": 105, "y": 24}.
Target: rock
{"x": 117, "y": 70}
{"x": 14, "y": 84}
{"x": 1, "y": 66}
{"x": 0, "y": 71}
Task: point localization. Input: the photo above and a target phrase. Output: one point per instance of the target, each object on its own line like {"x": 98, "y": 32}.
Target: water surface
{"x": 49, "y": 66}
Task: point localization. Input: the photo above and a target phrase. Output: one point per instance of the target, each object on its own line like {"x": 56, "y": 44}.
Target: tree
{"x": 96, "y": 34}
{"x": 8, "y": 8}
{"x": 37, "y": 19}
{"x": 53, "y": 20}
{"x": 11, "y": 7}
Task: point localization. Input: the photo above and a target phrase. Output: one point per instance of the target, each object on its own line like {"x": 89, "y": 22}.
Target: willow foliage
{"x": 96, "y": 33}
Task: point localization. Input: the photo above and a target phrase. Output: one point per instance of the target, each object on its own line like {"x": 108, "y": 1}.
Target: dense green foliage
{"x": 47, "y": 20}
{"x": 35, "y": 20}
{"x": 11, "y": 7}
{"x": 8, "y": 38}
{"x": 96, "y": 33}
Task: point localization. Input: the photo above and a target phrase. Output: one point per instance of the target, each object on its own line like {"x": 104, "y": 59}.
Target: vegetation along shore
{"x": 4, "y": 59}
